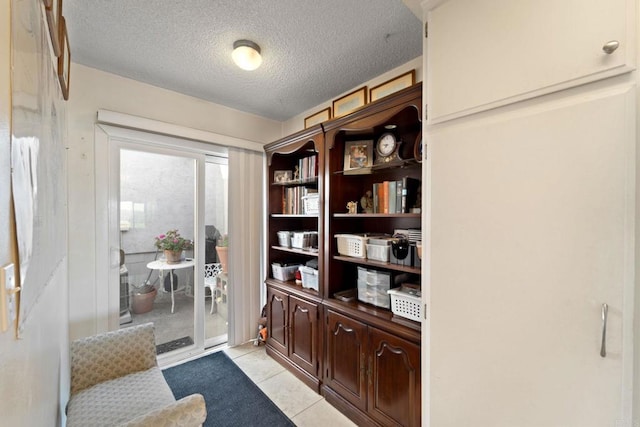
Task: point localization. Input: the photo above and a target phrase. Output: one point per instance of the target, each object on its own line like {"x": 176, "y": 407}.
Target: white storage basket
{"x": 352, "y": 245}
{"x": 405, "y": 304}
{"x": 284, "y": 273}
{"x": 378, "y": 252}
{"x": 284, "y": 238}
{"x": 309, "y": 277}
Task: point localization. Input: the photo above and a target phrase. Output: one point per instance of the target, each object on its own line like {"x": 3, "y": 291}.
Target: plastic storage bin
{"x": 284, "y": 238}
{"x": 373, "y": 286}
{"x": 309, "y": 277}
{"x": 378, "y": 252}
{"x": 406, "y": 303}
{"x": 352, "y": 245}
{"x": 311, "y": 204}
{"x": 304, "y": 239}
{"x": 284, "y": 273}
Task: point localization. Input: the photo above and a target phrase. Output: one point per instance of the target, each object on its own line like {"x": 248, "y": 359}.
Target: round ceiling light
{"x": 246, "y": 55}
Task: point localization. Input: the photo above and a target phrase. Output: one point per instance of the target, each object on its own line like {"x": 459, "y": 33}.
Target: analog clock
{"x": 387, "y": 147}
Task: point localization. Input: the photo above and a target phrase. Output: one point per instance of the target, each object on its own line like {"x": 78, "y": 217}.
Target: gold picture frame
{"x": 351, "y": 101}
{"x": 403, "y": 81}
{"x": 319, "y": 117}
{"x": 53, "y": 10}
{"x": 358, "y": 157}
{"x": 64, "y": 60}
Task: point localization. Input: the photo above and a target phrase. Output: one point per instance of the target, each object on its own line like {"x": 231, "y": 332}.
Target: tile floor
{"x": 301, "y": 404}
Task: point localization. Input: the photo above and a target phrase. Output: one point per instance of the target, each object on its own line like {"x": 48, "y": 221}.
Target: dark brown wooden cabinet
{"x": 293, "y": 311}
{"x": 293, "y": 335}
{"x": 364, "y": 359}
{"x": 371, "y": 373}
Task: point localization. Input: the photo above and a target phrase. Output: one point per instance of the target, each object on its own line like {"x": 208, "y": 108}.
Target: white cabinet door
{"x": 532, "y": 231}
{"x": 483, "y": 54}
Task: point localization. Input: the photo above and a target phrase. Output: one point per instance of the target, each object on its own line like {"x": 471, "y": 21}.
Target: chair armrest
{"x": 189, "y": 411}
{"x": 112, "y": 355}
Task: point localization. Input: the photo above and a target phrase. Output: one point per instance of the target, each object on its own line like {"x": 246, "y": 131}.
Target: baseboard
{"x": 350, "y": 411}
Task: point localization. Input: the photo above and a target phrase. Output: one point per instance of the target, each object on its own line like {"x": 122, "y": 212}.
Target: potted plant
{"x": 222, "y": 248}
{"x": 143, "y": 298}
{"x": 172, "y": 243}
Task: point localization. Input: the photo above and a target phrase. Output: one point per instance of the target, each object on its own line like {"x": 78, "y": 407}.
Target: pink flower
{"x": 162, "y": 236}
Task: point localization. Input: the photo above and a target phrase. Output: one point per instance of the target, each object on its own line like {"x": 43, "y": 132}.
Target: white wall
{"x": 297, "y": 123}
{"x": 34, "y": 376}
{"x": 91, "y": 90}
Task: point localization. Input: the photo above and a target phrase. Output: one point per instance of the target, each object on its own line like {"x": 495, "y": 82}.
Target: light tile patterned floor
{"x": 301, "y": 404}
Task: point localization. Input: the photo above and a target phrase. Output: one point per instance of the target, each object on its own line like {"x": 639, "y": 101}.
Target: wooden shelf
{"x": 377, "y": 215}
{"x": 386, "y": 265}
{"x": 294, "y": 183}
{"x": 295, "y": 251}
{"x": 275, "y": 215}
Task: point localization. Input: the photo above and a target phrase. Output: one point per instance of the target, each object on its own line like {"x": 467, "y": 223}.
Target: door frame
{"x": 108, "y": 142}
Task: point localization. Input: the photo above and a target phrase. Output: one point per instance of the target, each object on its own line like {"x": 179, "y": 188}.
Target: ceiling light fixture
{"x": 246, "y": 54}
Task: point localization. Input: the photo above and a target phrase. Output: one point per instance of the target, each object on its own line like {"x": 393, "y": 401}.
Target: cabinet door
{"x": 277, "y": 317}
{"x": 303, "y": 344}
{"x": 484, "y": 54}
{"x": 346, "y": 358}
{"x": 531, "y": 233}
{"x": 394, "y": 379}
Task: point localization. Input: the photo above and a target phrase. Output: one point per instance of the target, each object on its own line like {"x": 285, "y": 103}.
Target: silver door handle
{"x": 611, "y": 46}
{"x": 603, "y": 346}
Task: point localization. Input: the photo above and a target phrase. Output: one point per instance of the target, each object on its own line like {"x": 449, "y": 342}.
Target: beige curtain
{"x": 245, "y": 243}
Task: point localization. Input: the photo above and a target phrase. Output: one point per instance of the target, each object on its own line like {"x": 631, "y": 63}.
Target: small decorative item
{"x": 281, "y": 176}
{"x": 349, "y": 102}
{"x": 352, "y": 207}
{"x": 366, "y": 202}
{"x": 387, "y": 148}
{"x": 391, "y": 86}
{"x": 319, "y": 117}
{"x": 64, "y": 60}
{"x": 358, "y": 157}
{"x": 172, "y": 243}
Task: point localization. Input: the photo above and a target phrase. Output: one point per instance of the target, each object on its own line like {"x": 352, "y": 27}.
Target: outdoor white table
{"x": 162, "y": 265}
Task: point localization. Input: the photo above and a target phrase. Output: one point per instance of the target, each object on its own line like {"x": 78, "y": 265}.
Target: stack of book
{"x": 292, "y": 199}
{"x": 395, "y": 196}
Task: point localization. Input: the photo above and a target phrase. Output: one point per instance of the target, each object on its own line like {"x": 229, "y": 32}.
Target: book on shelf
{"x": 391, "y": 197}
{"x": 292, "y": 199}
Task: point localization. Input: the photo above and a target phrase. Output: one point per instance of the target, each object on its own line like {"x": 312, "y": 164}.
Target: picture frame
{"x": 281, "y": 176}
{"x": 350, "y": 102}
{"x": 358, "y": 157}
{"x": 400, "y": 82}
{"x": 53, "y": 11}
{"x": 319, "y": 117}
{"x": 64, "y": 60}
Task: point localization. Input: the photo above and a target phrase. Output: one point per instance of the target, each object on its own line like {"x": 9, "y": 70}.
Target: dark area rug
{"x": 232, "y": 398}
{"x": 173, "y": 345}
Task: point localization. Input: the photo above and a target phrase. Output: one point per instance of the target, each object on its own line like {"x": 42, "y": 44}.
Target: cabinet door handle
{"x": 363, "y": 367}
{"x": 610, "y": 47}
{"x": 603, "y": 346}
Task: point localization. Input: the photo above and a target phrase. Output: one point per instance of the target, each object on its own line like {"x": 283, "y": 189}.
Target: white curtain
{"x": 245, "y": 243}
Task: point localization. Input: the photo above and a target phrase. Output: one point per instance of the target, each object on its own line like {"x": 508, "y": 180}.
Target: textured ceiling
{"x": 313, "y": 50}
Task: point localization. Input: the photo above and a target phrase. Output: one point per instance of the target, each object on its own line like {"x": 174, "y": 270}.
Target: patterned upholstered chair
{"x": 115, "y": 381}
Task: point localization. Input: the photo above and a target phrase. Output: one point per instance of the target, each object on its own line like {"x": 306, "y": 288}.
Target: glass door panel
{"x": 157, "y": 195}
{"x": 216, "y": 229}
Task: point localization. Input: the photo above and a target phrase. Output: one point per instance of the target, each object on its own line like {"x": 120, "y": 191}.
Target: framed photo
{"x": 54, "y": 13}
{"x": 281, "y": 176}
{"x": 64, "y": 60}
{"x": 348, "y": 103}
{"x": 391, "y": 86}
{"x": 358, "y": 157}
{"x": 319, "y": 117}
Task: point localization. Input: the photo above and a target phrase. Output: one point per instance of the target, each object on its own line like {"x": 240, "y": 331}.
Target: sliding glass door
{"x": 159, "y": 190}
